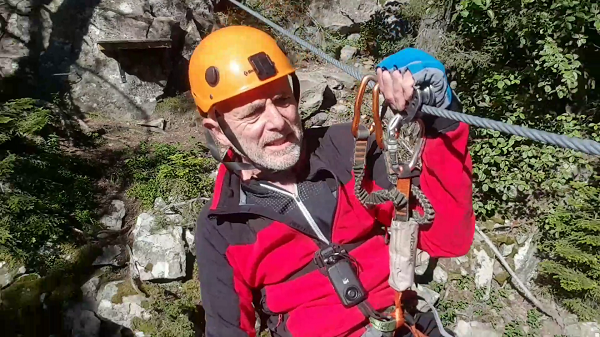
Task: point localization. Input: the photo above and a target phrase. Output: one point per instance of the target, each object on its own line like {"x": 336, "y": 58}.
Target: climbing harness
{"x": 400, "y": 161}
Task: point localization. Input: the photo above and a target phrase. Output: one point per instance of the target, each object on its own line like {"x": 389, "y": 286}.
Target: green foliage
{"x": 570, "y": 248}
{"x": 514, "y": 329}
{"x": 173, "y": 308}
{"x": 448, "y": 310}
{"x": 534, "y": 319}
{"x": 175, "y": 105}
{"x": 534, "y": 63}
{"x": 539, "y": 73}
{"x": 45, "y": 192}
{"x": 381, "y": 45}
{"x": 163, "y": 170}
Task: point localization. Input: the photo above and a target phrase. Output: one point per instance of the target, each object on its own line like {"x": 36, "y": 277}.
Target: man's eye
{"x": 283, "y": 100}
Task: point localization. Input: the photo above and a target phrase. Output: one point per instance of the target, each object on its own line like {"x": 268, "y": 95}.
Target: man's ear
{"x": 210, "y": 122}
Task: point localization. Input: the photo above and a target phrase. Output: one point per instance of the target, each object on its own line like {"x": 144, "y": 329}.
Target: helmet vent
{"x": 212, "y": 76}
{"x": 262, "y": 65}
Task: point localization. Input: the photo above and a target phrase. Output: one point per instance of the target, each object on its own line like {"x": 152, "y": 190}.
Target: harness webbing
{"x": 360, "y": 161}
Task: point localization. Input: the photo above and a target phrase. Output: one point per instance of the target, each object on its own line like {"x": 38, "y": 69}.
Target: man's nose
{"x": 275, "y": 120}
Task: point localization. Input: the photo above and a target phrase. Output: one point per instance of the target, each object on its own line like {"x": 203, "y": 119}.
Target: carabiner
{"x": 392, "y": 145}
{"x": 375, "y": 109}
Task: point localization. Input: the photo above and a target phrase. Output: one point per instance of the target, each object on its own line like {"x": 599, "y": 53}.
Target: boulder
{"x": 114, "y": 255}
{"x": 484, "y": 269}
{"x": 8, "y": 273}
{"x": 500, "y": 274}
{"x": 315, "y": 94}
{"x": 525, "y": 260}
{"x": 506, "y": 250}
{"x": 429, "y": 295}
{"x": 440, "y": 275}
{"x": 343, "y": 16}
{"x": 158, "y": 250}
{"x": 347, "y": 81}
{"x": 118, "y": 306}
{"x": 89, "y": 291}
{"x": 319, "y": 119}
{"x": 347, "y": 53}
{"x": 589, "y": 329}
{"x": 190, "y": 240}
{"x": 81, "y": 322}
{"x": 354, "y": 37}
{"x": 340, "y": 109}
{"x": 114, "y": 220}
{"x": 475, "y": 329}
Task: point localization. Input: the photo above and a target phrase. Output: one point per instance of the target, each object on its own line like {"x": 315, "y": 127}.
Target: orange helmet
{"x": 233, "y": 60}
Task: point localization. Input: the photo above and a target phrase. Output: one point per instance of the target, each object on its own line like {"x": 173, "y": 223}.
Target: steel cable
{"x": 583, "y": 145}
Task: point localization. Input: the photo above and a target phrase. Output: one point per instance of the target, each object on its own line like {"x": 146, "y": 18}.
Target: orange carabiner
{"x": 358, "y": 103}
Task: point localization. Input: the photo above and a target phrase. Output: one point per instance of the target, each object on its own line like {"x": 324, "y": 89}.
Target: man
{"x": 285, "y": 193}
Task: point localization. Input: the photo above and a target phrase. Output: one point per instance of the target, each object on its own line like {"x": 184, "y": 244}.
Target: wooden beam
{"x": 134, "y": 44}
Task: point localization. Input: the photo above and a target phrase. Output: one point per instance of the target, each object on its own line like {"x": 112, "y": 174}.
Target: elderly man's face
{"x": 266, "y": 123}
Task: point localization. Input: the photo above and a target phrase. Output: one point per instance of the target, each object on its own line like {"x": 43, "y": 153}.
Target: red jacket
{"x": 249, "y": 258}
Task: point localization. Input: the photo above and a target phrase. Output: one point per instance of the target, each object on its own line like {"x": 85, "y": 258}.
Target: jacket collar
{"x": 227, "y": 191}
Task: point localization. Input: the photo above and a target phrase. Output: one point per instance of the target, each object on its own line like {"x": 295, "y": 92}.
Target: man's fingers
{"x": 408, "y": 85}
{"x": 380, "y": 79}
{"x": 398, "y": 90}
{"x": 387, "y": 88}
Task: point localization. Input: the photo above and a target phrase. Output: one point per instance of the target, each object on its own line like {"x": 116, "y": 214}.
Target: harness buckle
{"x": 383, "y": 325}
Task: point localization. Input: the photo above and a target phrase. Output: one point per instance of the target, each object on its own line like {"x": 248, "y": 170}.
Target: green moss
{"x": 124, "y": 289}
{"x": 501, "y": 277}
{"x": 172, "y": 306}
{"x": 148, "y": 267}
{"x": 503, "y": 239}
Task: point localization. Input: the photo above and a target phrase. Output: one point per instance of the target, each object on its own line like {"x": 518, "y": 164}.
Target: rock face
{"x": 159, "y": 253}
{"x": 343, "y": 16}
{"x": 55, "y": 47}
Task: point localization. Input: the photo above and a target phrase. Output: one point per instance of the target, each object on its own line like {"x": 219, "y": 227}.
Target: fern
{"x": 570, "y": 243}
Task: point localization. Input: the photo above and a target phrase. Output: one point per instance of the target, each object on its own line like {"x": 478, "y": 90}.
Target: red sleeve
{"x": 447, "y": 182}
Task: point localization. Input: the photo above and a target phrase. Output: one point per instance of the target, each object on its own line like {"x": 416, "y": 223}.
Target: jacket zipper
{"x": 302, "y": 208}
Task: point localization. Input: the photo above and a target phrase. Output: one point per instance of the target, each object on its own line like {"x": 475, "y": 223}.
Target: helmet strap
{"x": 214, "y": 151}
{"x": 296, "y": 88}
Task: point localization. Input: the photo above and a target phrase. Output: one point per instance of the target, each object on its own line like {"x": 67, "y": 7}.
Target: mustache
{"x": 294, "y": 130}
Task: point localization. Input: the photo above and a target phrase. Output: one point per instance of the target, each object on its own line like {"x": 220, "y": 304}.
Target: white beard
{"x": 277, "y": 161}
